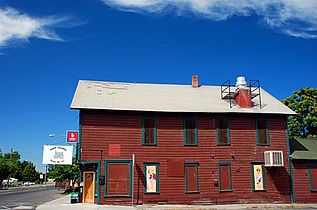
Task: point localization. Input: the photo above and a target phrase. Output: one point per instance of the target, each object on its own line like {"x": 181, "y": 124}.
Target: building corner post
{"x": 290, "y": 165}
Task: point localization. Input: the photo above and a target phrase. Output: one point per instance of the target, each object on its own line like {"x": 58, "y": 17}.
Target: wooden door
{"x": 89, "y": 187}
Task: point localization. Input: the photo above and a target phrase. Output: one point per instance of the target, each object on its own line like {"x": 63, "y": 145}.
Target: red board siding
{"x": 100, "y": 129}
{"x": 175, "y": 168}
{"x": 301, "y": 182}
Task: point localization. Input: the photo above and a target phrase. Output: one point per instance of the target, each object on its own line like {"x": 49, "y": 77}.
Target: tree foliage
{"x": 29, "y": 173}
{"x": 61, "y": 173}
{"x": 304, "y": 103}
{"x": 11, "y": 166}
{"x": 4, "y": 168}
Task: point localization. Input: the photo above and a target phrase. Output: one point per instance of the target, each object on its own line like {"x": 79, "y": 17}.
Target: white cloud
{"x": 16, "y": 26}
{"x": 293, "y": 17}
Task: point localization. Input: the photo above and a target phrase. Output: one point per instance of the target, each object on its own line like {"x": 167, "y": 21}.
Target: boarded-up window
{"x": 118, "y": 178}
{"x": 149, "y": 131}
{"x": 258, "y": 176}
{"x": 262, "y": 132}
{"x": 312, "y": 171}
{"x": 223, "y": 136}
{"x": 225, "y": 182}
{"x": 191, "y": 177}
{"x": 151, "y": 172}
{"x": 175, "y": 168}
{"x": 190, "y": 132}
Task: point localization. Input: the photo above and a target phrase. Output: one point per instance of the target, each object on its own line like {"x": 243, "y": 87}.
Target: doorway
{"x": 89, "y": 187}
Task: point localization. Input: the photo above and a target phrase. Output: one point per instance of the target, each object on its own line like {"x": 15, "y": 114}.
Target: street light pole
{"x": 56, "y": 135}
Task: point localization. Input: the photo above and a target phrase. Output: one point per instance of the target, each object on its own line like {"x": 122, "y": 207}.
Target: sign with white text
{"x": 57, "y": 155}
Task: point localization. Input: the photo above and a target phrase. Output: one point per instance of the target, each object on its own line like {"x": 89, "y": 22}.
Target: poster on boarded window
{"x": 258, "y": 177}
{"x": 151, "y": 178}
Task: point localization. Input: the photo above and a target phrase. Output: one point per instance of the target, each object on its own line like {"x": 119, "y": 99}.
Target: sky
{"x": 46, "y": 46}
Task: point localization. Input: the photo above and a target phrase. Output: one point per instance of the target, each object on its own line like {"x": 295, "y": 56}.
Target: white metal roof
{"x": 165, "y": 98}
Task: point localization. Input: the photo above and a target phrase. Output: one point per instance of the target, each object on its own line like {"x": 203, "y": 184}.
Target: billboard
{"x": 57, "y": 155}
{"x": 72, "y": 136}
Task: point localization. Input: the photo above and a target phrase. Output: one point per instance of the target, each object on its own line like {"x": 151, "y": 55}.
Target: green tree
{"x": 11, "y": 166}
{"x": 4, "y": 168}
{"x": 304, "y": 103}
{"x": 29, "y": 173}
{"x": 61, "y": 173}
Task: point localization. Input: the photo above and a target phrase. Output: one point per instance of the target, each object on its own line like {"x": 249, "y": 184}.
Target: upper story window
{"x": 262, "y": 132}
{"x": 190, "y": 132}
{"x": 149, "y": 131}
{"x": 223, "y": 131}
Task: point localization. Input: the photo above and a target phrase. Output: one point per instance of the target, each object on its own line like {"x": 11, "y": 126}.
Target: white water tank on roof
{"x": 241, "y": 83}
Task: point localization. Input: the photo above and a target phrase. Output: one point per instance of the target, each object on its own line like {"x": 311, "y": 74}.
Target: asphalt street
{"x": 27, "y": 197}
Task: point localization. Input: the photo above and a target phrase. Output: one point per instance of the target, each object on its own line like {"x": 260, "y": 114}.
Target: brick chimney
{"x": 242, "y": 95}
{"x": 195, "y": 83}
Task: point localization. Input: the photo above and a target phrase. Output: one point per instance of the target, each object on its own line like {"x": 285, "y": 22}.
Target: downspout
{"x": 132, "y": 179}
{"x": 98, "y": 174}
{"x": 290, "y": 165}
{"x": 79, "y": 151}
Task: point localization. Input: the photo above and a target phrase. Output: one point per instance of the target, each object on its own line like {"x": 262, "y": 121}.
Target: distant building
{"x": 304, "y": 169}
{"x": 192, "y": 144}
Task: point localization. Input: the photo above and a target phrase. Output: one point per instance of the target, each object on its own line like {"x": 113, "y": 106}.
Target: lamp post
{"x": 51, "y": 135}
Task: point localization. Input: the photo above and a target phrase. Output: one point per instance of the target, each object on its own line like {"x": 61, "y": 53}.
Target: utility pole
{"x": 8, "y": 180}
{"x": 45, "y": 174}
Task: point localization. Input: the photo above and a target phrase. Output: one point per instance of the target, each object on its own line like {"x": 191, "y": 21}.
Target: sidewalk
{"x": 63, "y": 203}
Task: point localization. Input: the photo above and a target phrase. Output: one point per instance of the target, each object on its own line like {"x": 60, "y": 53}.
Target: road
{"x": 27, "y": 197}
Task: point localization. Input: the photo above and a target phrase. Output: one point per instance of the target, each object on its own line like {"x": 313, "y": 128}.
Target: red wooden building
{"x": 304, "y": 169}
{"x": 182, "y": 144}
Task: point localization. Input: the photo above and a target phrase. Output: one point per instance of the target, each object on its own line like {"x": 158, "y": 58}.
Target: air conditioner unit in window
{"x": 273, "y": 158}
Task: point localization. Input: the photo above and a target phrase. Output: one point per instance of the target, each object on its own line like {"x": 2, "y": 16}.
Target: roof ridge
{"x": 145, "y": 83}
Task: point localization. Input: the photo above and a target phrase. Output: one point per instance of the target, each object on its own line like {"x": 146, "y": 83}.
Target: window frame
{"x": 196, "y": 165}
{"x": 263, "y": 176}
{"x": 310, "y": 177}
{"x": 219, "y": 176}
{"x": 196, "y": 131}
{"x": 267, "y": 132}
{"x": 228, "y": 131}
{"x": 157, "y": 177}
{"x": 143, "y": 130}
{"x": 106, "y": 182}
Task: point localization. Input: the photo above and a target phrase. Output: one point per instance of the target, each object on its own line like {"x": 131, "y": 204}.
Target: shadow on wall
{"x": 141, "y": 184}
{"x": 279, "y": 176}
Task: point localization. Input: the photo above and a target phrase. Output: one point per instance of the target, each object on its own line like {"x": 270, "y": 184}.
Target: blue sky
{"x": 47, "y": 46}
